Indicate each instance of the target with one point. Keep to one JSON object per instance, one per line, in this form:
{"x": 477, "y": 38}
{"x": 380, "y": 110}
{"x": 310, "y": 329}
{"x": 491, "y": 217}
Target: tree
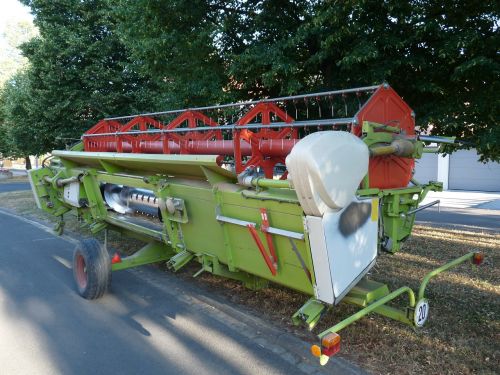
{"x": 174, "y": 42}
{"x": 208, "y": 51}
{"x": 99, "y": 57}
{"x": 77, "y": 72}
{"x": 441, "y": 56}
{"x": 15, "y": 87}
{"x": 18, "y": 140}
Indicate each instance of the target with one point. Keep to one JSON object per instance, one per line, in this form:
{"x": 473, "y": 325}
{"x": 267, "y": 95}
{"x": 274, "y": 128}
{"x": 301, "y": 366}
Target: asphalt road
{"x": 461, "y": 217}
{"x": 150, "y": 323}
{"x": 14, "y": 186}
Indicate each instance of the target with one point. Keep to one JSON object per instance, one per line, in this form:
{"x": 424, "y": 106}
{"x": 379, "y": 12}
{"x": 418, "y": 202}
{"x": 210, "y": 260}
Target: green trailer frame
{"x": 218, "y": 223}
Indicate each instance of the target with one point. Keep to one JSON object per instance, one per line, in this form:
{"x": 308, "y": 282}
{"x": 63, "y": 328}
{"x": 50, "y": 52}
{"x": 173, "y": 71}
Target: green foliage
{"x": 17, "y": 137}
{"x": 174, "y": 43}
{"x": 99, "y": 57}
{"x": 263, "y": 54}
{"x": 441, "y": 56}
{"x": 77, "y": 73}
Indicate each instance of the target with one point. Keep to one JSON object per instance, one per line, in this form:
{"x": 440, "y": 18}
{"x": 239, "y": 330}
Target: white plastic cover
{"x": 343, "y": 247}
{"x": 72, "y": 194}
{"x": 326, "y": 168}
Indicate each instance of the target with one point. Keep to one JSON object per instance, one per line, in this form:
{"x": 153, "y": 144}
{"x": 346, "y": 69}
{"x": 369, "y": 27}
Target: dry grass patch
{"x": 23, "y": 203}
{"x": 14, "y": 179}
{"x": 462, "y": 335}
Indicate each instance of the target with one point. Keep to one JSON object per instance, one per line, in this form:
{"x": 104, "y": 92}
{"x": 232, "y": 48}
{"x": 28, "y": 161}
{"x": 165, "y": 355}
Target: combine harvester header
{"x": 303, "y": 191}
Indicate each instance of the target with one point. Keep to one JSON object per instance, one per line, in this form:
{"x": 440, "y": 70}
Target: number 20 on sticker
{"x": 421, "y": 312}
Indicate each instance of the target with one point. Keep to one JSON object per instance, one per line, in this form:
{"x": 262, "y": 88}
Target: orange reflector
{"x": 116, "y": 259}
{"x": 478, "y": 258}
{"x": 330, "y": 344}
{"x": 316, "y": 351}
{"x": 330, "y": 340}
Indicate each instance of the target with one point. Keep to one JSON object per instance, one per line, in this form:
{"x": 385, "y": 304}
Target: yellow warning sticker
{"x": 374, "y": 209}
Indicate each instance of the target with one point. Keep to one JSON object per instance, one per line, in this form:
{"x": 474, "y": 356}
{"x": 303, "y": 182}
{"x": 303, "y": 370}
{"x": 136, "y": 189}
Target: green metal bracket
{"x": 395, "y": 203}
{"x": 366, "y": 182}
{"x": 77, "y": 147}
{"x": 151, "y": 253}
{"x": 372, "y": 137}
{"x": 368, "y": 192}
{"x": 371, "y": 308}
{"x": 96, "y": 227}
{"x": 419, "y": 150}
{"x": 171, "y": 226}
{"x": 84, "y": 216}
{"x": 374, "y": 296}
{"x": 215, "y": 178}
{"x": 437, "y": 271}
{"x": 46, "y": 195}
{"x": 376, "y": 134}
{"x": 369, "y": 127}
{"x": 94, "y": 197}
{"x": 59, "y": 227}
{"x": 180, "y": 214}
{"x": 227, "y": 242}
{"x": 180, "y": 260}
{"x": 366, "y": 292}
{"x": 211, "y": 264}
{"x": 310, "y": 313}
{"x": 110, "y": 168}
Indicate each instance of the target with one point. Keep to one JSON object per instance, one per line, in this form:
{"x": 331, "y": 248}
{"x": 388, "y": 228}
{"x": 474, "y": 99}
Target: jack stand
{"x": 310, "y": 313}
{"x": 59, "y": 227}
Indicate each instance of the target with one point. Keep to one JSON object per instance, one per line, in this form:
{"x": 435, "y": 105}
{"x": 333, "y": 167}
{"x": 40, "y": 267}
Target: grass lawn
{"x": 462, "y": 335}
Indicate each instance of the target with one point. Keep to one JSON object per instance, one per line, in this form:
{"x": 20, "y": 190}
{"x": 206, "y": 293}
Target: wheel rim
{"x": 81, "y": 272}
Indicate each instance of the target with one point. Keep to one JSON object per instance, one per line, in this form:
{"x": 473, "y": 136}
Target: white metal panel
{"x": 324, "y": 287}
{"x": 353, "y": 252}
{"x": 71, "y": 194}
{"x": 33, "y": 189}
{"x": 343, "y": 247}
{"x": 467, "y": 173}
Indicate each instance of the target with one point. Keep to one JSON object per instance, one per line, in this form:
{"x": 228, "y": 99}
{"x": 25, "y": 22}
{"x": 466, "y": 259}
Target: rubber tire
{"x": 94, "y": 279}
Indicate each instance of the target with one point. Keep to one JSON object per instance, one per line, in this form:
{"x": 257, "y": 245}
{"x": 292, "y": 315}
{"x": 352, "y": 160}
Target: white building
{"x": 459, "y": 171}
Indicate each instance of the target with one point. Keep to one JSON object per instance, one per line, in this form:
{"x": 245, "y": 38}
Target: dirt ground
{"x": 462, "y": 335}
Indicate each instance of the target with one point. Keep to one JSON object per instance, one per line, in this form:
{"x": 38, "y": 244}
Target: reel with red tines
{"x": 264, "y": 136}
{"x": 258, "y": 159}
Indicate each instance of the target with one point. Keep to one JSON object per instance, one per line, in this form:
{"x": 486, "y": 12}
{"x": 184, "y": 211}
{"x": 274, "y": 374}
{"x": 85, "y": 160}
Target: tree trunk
{"x": 27, "y": 163}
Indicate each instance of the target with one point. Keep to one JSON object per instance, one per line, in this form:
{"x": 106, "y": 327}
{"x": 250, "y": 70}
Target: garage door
{"x": 466, "y": 173}
{"x": 426, "y": 168}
